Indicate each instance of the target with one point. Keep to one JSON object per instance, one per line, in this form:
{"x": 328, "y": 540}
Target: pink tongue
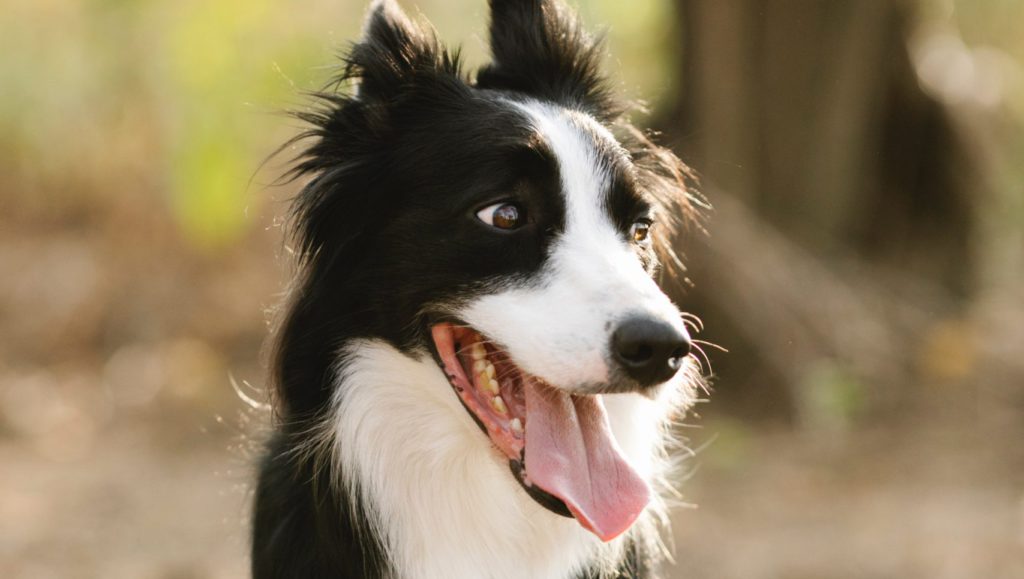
{"x": 571, "y": 453}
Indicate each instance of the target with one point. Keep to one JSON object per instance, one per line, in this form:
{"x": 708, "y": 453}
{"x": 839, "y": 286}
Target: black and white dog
{"x": 476, "y": 370}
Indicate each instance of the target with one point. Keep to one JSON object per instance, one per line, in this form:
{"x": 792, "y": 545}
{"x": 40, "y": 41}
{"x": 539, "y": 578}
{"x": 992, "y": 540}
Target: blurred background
{"x": 863, "y": 265}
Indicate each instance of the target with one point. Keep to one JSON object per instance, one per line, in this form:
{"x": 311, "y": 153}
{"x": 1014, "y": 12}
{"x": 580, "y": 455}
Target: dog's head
{"x": 509, "y": 226}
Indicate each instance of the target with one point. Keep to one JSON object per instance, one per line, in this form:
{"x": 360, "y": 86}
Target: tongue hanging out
{"x": 570, "y": 452}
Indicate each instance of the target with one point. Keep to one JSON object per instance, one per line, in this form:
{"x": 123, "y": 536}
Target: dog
{"x": 475, "y": 370}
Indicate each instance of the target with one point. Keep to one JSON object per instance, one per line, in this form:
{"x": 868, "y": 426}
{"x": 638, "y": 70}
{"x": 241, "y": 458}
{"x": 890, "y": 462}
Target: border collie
{"x": 475, "y": 371}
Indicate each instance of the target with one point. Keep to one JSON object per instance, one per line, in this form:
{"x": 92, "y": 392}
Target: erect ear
{"x": 540, "y": 48}
{"x": 393, "y": 51}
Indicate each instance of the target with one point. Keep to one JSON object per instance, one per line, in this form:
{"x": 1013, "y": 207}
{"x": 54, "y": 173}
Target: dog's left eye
{"x": 641, "y": 231}
{"x": 504, "y": 215}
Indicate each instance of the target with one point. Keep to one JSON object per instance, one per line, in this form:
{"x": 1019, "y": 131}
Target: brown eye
{"x": 502, "y": 215}
{"x": 641, "y": 231}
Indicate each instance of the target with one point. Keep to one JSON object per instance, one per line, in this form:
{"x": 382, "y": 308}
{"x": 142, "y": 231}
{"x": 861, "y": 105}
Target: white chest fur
{"x": 439, "y": 495}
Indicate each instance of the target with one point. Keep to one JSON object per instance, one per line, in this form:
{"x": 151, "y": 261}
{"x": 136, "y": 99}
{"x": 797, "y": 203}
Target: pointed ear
{"x": 540, "y": 48}
{"x": 393, "y": 51}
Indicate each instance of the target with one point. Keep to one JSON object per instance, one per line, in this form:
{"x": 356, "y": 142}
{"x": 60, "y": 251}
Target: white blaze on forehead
{"x": 559, "y": 324}
{"x": 575, "y": 138}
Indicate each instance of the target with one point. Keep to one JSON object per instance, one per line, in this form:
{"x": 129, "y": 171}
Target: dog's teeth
{"x": 499, "y": 405}
{"x": 490, "y": 370}
{"x": 491, "y": 385}
{"x": 478, "y": 351}
{"x": 517, "y": 426}
{"x": 479, "y": 367}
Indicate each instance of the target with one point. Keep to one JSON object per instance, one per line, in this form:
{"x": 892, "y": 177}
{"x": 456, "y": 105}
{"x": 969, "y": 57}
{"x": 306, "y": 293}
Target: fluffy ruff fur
{"x": 378, "y": 467}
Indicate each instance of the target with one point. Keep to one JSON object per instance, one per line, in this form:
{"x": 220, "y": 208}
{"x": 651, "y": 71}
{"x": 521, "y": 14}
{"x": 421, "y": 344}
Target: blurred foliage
{"x": 193, "y": 91}
{"x": 830, "y": 398}
{"x": 978, "y": 51}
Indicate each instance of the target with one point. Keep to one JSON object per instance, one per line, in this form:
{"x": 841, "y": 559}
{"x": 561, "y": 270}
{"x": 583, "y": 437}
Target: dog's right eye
{"x": 503, "y": 215}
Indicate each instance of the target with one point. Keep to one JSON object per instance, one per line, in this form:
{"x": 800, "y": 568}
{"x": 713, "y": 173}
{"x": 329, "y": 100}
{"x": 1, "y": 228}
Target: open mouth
{"x": 559, "y": 445}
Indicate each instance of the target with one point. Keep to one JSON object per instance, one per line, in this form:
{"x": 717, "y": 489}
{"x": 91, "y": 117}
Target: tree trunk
{"x": 851, "y": 182}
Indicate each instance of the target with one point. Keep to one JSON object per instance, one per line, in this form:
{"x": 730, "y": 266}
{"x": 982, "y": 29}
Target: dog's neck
{"x": 441, "y": 500}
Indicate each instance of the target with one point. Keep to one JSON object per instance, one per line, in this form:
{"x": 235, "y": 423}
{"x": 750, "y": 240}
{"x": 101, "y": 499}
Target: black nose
{"x": 649, "y": 350}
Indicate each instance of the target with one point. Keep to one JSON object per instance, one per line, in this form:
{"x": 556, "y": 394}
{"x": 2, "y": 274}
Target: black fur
{"x": 385, "y": 235}
{"x": 556, "y": 61}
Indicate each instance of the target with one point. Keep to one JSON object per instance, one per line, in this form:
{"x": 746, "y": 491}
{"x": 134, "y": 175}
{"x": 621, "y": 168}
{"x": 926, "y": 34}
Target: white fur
{"x": 442, "y": 497}
{"x": 439, "y": 494}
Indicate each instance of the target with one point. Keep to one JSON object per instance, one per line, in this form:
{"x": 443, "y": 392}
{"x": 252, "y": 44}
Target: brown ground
{"x": 141, "y": 503}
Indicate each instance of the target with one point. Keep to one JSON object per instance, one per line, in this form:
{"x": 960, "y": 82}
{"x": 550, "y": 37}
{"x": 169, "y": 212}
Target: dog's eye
{"x": 641, "y": 231}
{"x": 503, "y": 215}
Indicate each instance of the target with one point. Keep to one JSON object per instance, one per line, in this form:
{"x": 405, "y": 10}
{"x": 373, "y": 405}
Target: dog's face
{"x": 587, "y": 305}
{"x": 507, "y": 228}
